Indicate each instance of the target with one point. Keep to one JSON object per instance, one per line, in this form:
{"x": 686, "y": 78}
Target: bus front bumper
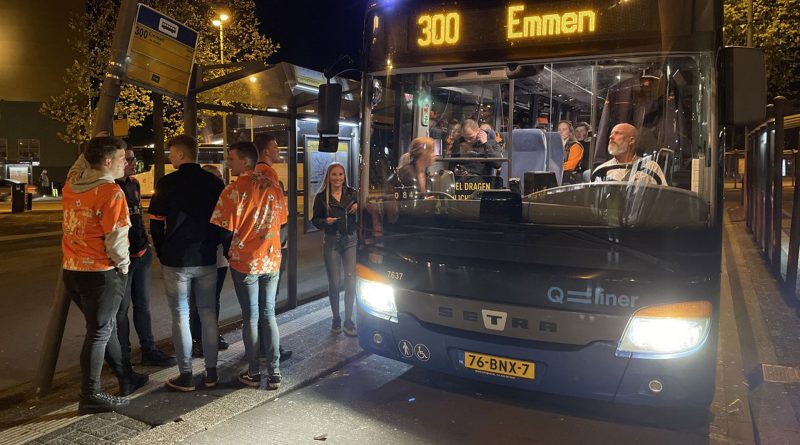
{"x": 593, "y": 371}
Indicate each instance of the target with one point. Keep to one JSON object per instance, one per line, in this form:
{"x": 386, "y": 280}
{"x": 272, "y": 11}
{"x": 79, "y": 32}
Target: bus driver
{"x": 625, "y": 161}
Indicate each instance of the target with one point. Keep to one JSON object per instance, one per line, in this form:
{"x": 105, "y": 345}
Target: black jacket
{"x": 181, "y": 210}
{"x": 346, "y": 224}
{"x": 137, "y": 235}
{"x": 489, "y": 149}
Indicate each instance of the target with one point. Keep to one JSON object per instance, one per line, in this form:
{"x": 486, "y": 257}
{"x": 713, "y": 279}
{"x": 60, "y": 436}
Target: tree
{"x": 775, "y": 30}
{"x": 91, "y": 36}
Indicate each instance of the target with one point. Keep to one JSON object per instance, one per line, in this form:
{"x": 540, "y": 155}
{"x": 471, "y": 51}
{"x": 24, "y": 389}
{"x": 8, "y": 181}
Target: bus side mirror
{"x": 743, "y": 86}
{"x": 329, "y": 104}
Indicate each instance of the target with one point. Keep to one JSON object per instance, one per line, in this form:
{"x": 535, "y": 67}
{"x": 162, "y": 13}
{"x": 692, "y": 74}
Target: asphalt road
{"x": 376, "y": 400}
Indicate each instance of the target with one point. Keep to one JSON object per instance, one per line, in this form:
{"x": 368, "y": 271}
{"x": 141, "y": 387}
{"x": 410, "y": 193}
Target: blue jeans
{"x": 256, "y": 295}
{"x": 138, "y": 290}
{"x": 178, "y": 282}
{"x": 339, "y": 252}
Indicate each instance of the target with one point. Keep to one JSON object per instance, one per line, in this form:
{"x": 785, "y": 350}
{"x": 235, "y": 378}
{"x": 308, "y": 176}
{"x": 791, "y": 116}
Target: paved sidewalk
{"x": 157, "y": 415}
{"x": 769, "y": 333}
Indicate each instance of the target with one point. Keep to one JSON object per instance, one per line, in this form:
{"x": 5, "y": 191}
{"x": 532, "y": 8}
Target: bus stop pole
{"x": 109, "y": 94}
{"x": 52, "y": 338}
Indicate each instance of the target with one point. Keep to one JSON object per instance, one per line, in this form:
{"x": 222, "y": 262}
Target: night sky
{"x": 313, "y": 33}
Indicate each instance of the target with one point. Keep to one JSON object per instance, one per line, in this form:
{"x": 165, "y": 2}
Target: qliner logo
{"x": 494, "y": 320}
{"x": 168, "y": 28}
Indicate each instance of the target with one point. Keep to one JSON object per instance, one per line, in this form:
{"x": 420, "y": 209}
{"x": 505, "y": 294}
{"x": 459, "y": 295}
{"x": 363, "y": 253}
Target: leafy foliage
{"x": 92, "y": 34}
{"x": 775, "y": 30}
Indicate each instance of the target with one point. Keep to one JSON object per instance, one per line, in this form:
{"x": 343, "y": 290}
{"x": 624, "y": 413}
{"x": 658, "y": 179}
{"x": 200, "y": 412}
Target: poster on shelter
{"x": 316, "y": 164}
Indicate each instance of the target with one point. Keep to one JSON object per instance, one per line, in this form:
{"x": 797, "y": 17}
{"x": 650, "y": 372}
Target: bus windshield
{"x": 534, "y": 145}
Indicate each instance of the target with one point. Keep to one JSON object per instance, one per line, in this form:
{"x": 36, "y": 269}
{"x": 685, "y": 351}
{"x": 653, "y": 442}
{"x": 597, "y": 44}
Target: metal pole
{"x": 225, "y": 172}
{"x": 190, "y": 106}
{"x": 109, "y": 93}
{"x": 750, "y": 23}
{"x": 53, "y": 336}
{"x": 158, "y": 135}
{"x": 292, "y": 265}
{"x": 777, "y": 205}
{"x": 766, "y": 227}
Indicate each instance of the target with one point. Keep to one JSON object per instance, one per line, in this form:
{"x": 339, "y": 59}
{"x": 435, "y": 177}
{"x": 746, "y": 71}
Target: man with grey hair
{"x": 626, "y": 165}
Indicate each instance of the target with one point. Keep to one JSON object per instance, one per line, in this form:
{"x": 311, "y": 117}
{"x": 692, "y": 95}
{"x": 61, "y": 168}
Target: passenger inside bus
{"x": 413, "y": 171}
{"x": 475, "y": 143}
{"x": 573, "y": 154}
{"x": 625, "y": 164}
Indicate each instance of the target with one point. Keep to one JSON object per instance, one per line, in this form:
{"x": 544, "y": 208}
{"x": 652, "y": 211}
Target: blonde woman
{"x": 414, "y": 164}
{"x": 335, "y": 213}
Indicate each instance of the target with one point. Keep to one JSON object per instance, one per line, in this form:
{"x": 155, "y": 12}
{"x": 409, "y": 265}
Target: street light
{"x": 219, "y": 22}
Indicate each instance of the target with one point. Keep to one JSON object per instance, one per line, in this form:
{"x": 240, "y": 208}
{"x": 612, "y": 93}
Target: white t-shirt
{"x": 639, "y": 171}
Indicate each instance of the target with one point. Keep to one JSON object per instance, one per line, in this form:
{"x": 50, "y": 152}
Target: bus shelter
{"x": 281, "y": 100}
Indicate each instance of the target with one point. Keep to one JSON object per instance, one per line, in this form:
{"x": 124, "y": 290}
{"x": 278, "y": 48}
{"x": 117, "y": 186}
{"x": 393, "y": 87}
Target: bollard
{"x": 52, "y": 338}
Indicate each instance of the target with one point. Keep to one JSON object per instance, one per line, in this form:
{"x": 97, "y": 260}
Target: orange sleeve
{"x": 114, "y": 212}
{"x": 224, "y": 214}
{"x": 575, "y": 156}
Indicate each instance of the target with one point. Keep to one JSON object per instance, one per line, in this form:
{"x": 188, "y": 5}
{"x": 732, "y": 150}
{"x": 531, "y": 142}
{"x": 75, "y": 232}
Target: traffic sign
{"x": 161, "y": 53}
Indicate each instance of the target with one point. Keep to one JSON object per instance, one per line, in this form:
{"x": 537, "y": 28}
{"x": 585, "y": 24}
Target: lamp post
{"x": 219, "y": 22}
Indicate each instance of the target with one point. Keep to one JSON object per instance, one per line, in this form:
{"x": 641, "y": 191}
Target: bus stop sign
{"x": 161, "y": 53}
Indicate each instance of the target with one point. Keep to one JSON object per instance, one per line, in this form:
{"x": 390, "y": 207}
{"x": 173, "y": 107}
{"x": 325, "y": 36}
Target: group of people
{"x": 200, "y": 228}
{"x": 476, "y": 141}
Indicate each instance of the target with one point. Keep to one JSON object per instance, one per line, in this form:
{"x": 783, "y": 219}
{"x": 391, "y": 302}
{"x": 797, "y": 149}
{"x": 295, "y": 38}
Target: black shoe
{"x": 197, "y": 348}
{"x": 250, "y": 380}
{"x": 100, "y": 403}
{"x": 274, "y": 380}
{"x": 223, "y": 345}
{"x": 131, "y": 383}
{"x": 336, "y": 326}
{"x": 285, "y": 355}
{"x": 210, "y": 380}
{"x": 182, "y": 382}
{"x": 157, "y": 358}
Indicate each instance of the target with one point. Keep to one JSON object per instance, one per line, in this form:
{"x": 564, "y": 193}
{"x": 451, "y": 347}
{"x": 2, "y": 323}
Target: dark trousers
{"x": 137, "y": 292}
{"x": 194, "y": 317}
{"x": 339, "y": 252}
{"x": 98, "y": 295}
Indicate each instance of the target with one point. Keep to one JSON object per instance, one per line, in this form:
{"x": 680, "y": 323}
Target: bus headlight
{"x": 376, "y": 294}
{"x": 667, "y": 330}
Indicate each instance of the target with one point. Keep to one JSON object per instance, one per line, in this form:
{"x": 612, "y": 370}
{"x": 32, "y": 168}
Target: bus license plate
{"x": 501, "y": 366}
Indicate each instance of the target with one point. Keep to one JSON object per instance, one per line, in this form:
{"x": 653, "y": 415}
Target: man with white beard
{"x": 625, "y": 164}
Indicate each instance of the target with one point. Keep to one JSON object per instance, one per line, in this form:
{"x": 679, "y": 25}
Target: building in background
{"x": 35, "y": 55}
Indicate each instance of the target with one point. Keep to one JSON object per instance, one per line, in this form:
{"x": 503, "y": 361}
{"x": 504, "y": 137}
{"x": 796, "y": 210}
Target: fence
{"x": 765, "y": 150}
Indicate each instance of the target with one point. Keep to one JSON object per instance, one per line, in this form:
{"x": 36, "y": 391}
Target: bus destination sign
{"x": 472, "y": 32}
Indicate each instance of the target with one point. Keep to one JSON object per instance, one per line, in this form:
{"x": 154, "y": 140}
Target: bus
{"x": 488, "y": 264}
